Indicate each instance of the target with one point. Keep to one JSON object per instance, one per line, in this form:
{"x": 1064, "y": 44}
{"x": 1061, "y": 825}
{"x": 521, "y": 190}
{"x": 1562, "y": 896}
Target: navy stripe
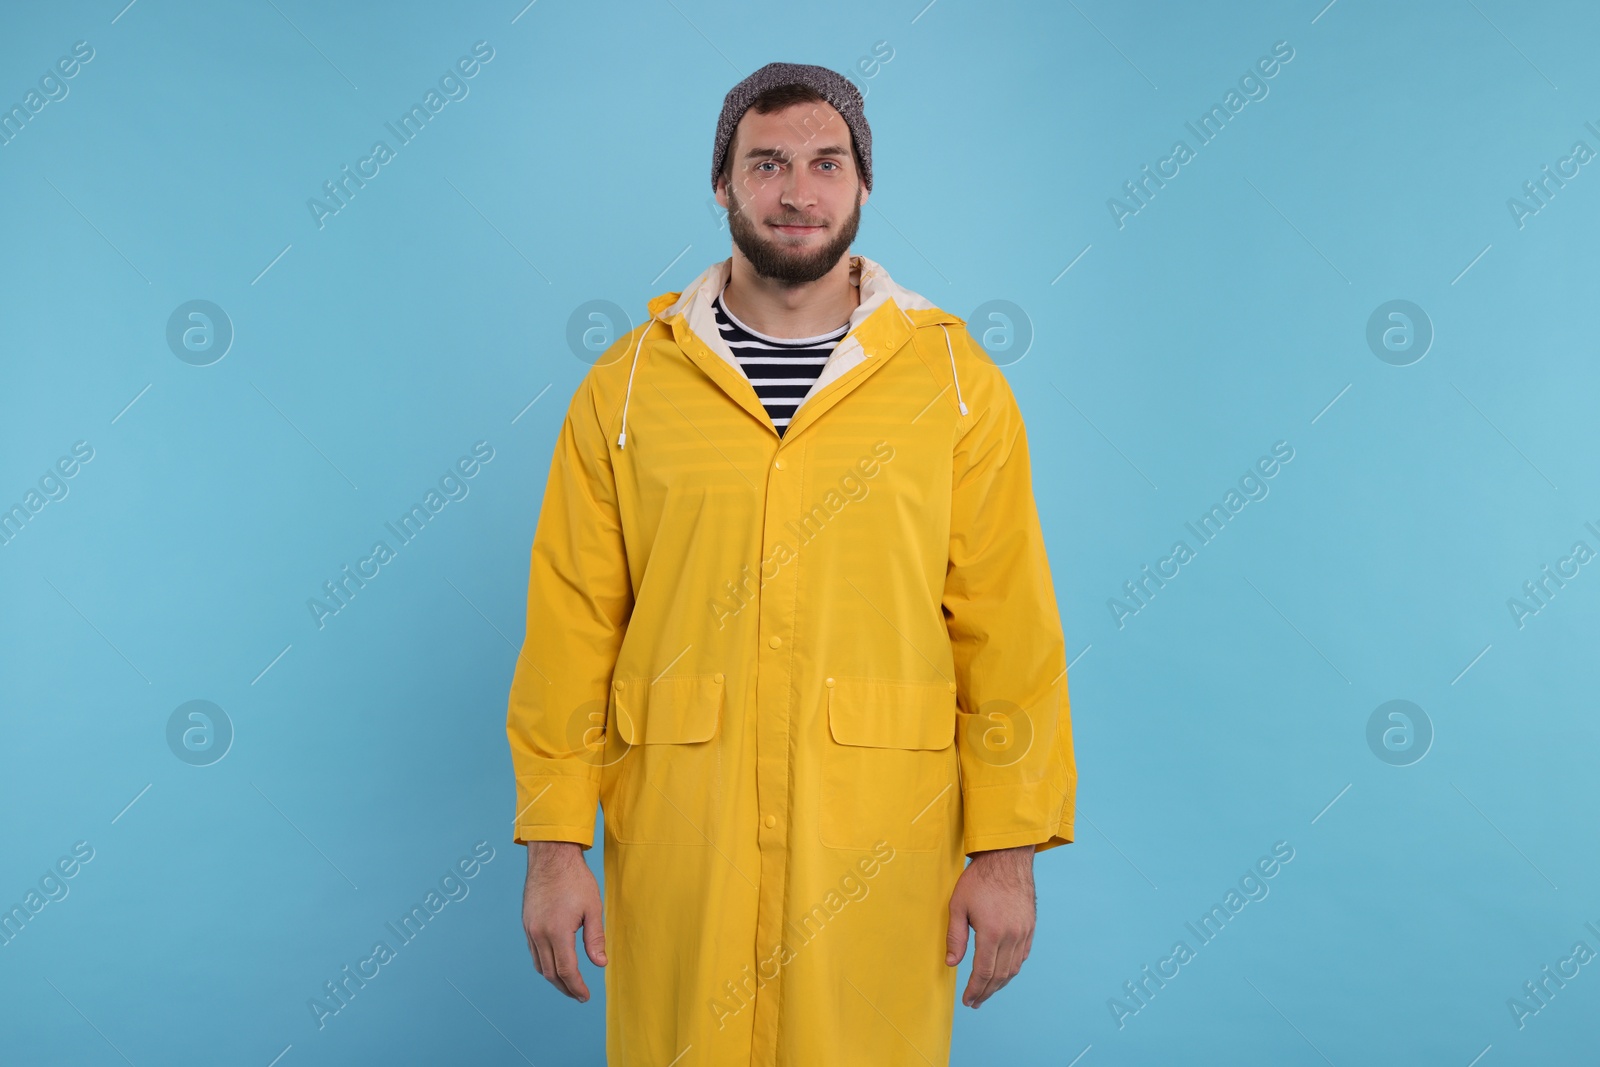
{"x": 782, "y": 372}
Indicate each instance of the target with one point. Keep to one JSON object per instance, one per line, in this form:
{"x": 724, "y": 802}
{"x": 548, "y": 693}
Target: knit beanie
{"x": 835, "y": 88}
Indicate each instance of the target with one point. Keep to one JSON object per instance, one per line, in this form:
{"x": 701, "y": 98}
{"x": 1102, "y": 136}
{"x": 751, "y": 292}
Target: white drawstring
{"x": 623, "y": 436}
{"x": 961, "y": 403}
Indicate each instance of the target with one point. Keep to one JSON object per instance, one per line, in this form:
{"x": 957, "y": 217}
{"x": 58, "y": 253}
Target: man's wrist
{"x": 553, "y": 851}
{"x": 1019, "y": 855}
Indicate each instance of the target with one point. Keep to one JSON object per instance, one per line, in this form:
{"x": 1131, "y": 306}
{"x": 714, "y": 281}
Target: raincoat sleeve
{"x": 1014, "y": 731}
{"x": 579, "y": 601}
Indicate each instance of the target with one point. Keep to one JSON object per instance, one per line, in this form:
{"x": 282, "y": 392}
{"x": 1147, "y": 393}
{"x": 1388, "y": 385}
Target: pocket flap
{"x": 881, "y": 714}
{"x": 676, "y": 710}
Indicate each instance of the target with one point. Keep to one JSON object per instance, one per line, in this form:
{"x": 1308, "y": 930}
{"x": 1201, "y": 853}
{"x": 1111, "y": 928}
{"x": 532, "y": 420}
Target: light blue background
{"x": 1228, "y": 314}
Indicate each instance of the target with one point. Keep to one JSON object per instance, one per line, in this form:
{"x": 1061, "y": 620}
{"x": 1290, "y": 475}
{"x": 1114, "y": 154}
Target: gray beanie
{"x": 835, "y": 88}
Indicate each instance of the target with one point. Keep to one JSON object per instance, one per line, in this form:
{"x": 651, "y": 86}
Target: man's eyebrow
{"x": 780, "y": 154}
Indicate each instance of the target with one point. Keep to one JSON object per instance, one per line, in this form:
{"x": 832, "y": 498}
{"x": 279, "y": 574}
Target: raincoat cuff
{"x": 1009, "y": 824}
{"x": 527, "y": 834}
{"x": 1039, "y": 839}
{"x": 556, "y": 808}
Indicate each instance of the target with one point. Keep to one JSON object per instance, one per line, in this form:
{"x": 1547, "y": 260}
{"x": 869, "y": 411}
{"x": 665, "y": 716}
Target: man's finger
{"x": 985, "y": 949}
{"x": 955, "y": 938}
{"x": 566, "y": 968}
{"x": 544, "y": 958}
{"x": 548, "y": 965}
{"x": 1007, "y": 962}
{"x": 594, "y": 935}
{"x": 533, "y": 950}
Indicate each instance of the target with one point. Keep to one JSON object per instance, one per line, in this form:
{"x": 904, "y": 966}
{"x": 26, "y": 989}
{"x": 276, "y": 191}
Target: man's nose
{"x": 799, "y": 189}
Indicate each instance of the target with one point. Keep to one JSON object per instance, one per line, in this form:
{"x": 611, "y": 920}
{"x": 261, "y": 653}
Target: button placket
{"x": 774, "y": 710}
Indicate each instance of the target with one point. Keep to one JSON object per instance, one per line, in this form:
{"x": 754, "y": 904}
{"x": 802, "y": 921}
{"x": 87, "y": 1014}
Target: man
{"x": 792, "y": 627}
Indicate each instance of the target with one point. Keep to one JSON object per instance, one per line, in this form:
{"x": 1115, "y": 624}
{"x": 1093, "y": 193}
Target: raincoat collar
{"x": 885, "y": 318}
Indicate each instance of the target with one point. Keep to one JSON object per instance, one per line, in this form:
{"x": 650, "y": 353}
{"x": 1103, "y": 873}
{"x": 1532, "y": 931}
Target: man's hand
{"x": 994, "y": 895}
{"x": 559, "y": 896}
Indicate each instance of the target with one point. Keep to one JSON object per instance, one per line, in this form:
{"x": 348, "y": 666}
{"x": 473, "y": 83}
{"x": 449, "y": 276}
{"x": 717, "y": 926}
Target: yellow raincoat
{"x": 802, "y": 676}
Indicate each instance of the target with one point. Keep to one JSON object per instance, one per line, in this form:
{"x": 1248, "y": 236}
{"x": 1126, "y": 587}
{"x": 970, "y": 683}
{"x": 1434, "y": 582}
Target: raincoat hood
{"x": 878, "y": 291}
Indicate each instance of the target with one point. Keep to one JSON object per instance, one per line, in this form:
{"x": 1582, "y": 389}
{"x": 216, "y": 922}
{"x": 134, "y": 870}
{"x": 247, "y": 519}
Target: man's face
{"x": 793, "y": 193}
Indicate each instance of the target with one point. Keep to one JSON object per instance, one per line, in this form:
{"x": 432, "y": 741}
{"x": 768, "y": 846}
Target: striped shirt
{"x": 782, "y": 370}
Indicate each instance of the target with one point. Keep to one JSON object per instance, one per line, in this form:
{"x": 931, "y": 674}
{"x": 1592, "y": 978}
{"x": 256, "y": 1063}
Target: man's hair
{"x": 776, "y": 99}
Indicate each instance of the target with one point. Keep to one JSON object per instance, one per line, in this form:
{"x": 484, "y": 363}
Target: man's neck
{"x": 791, "y": 311}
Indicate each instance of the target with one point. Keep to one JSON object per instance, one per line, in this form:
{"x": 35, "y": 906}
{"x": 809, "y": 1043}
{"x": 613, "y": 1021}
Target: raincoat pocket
{"x": 890, "y": 766}
{"x": 664, "y": 785}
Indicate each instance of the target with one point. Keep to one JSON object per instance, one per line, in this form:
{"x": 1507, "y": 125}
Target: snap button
{"x": 717, "y": 677}
{"x": 828, "y": 683}
{"x": 778, "y": 463}
{"x": 617, "y": 686}
{"x": 952, "y": 687}
{"x": 772, "y": 820}
{"x": 774, "y": 640}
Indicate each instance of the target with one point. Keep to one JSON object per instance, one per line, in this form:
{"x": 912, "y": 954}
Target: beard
{"x": 784, "y": 264}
